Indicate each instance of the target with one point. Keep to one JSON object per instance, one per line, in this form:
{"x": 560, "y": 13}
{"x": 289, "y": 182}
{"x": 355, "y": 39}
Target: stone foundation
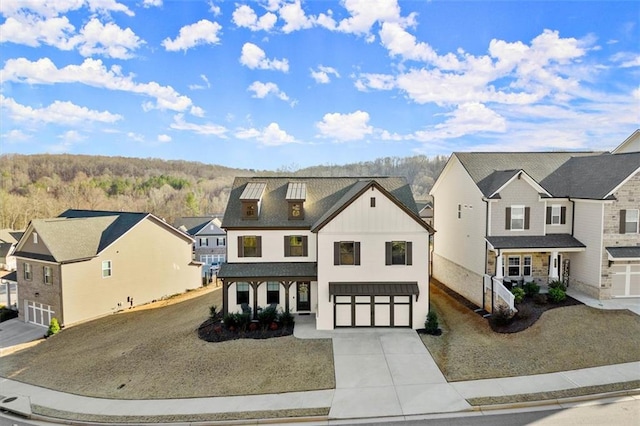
{"x": 459, "y": 279}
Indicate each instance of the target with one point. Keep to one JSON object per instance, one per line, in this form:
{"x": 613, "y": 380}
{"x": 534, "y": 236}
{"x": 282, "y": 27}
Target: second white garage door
{"x": 38, "y": 313}
{"x": 625, "y": 280}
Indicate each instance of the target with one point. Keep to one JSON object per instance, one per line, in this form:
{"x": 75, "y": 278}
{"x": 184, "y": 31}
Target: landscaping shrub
{"x": 557, "y": 294}
{"x": 503, "y": 315}
{"x": 518, "y": 294}
{"x": 531, "y": 289}
{"x": 557, "y": 284}
{"x": 267, "y": 316}
{"x": 540, "y": 299}
{"x": 431, "y": 324}
{"x": 285, "y": 318}
{"x": 7, "y": 314}
{"x": 524, "y": 312}
{"x": 54, "y": 327}
{"x": 213, "y": 312}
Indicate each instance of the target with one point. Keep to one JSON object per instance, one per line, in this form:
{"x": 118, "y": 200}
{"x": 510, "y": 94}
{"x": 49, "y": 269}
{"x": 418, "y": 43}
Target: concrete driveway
{"x": 15, "y": 332}
{"x": 388, "y": 372}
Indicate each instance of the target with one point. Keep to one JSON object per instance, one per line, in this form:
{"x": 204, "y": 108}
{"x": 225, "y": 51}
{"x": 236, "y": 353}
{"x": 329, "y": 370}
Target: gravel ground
{"x": 562, "y": 339}
{"x": 154, "y": 352}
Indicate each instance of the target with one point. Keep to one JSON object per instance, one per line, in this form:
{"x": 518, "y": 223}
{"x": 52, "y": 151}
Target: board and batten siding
{"x": 586, "y": 267}
{"x": 518, "y": 193}
{"x": 372, "y": 227}
{"x": 148, "y": 263}
{"x": 272, "y": 246}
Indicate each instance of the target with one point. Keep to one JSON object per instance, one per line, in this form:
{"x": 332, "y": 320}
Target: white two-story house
{"x": 351, "y": 251}
{"x": 506, "y": 218}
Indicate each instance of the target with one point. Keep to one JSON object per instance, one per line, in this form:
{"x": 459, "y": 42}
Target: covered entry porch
{"x": 288, "y": 286}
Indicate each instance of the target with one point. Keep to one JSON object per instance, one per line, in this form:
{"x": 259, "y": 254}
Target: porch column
{"x": 499, "y": 268}
{"x": 553, "y": 266}
{"x": 225, "y": 297}
{"x": 286, "y": 285}
{"x": 254, "y": 285}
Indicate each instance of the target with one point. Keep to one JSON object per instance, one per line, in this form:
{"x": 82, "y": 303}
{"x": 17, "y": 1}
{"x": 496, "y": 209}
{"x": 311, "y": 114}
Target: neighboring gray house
{"x": 210, "y": 246}
{"x": 8, "y": 240}
{"x": 538, "y": 216}
{"x": 425, "y": 210}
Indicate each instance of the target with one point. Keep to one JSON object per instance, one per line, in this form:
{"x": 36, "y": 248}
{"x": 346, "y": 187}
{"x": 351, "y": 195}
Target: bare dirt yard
{"x": 154, "y": 352}
{"x": 565, "y": 338}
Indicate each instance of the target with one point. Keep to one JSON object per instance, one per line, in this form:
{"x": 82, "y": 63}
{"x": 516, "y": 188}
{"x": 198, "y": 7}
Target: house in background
{"x": 351, "y": 251}
{"x": 86, "y": 264}
{"x": 210, "y": 246}
{"x": 546, "y": 216}
{"x": 425, "y": 210}
{"x": 630, "y": 144}
{"x": 8, "y": 240}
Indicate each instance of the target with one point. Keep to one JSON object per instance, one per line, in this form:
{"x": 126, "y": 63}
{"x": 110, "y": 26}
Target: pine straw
{"x": 156, "y": 353}
{"x": 562, "y": 339}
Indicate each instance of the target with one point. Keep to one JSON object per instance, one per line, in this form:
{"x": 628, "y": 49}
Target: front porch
{"x": 287, "y": 286}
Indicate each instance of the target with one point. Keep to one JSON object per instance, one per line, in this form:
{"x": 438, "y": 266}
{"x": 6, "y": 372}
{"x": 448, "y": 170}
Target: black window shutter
{"x": 356, "y": 254}
{"x": 549, "y": 215}
{"x": 563, "y": 215}
{"x": 623, "y": 220}
{"x": 240, "y": 247}
{"x": 409, "y": 253}
{"x": 527, "y": 214}
{"x": 287, "y": 246}
{"x": 305, "y": 245}
{"x": 507, "y": 219}
{"x": 336, "y": 253}
{"x": 259, "y": 244}
{"x": 387, "y": 253}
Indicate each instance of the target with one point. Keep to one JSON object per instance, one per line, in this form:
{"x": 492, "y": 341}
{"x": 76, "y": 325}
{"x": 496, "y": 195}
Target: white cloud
{"x": 345, "y": 127}
{"x": 107, "y": 40}
{"x": 365, "y": 13}
{"x": 202, "y": 32}
{"x": 152, "y": 3}
{"x": 196, "y": 111}
{"x": 321, "y": 75}
{"x": 202, "y": 129}
{"x": 206, "y": 85}
{"x": 137, "y": 137}
{"x": 164, "y": 138}
{"x": 67, "y": 140}
{"x": 262, "y": 90}
{"x": 375, "y": 81}
{"x": 626, "y": 59}
{"x": 253, "y": 57}
{"x": 245, "y": 17}
{"x": 50, "y": 9}
{"x": 15, "y": 135}
{"x": 294, "y": 17}
{"x": 92, "y": 72}
{"x": 271, "y": 135}
{"x": 470, "y": 118}
{"x": 30, "y": 30}
{"x": 59, "y": 112}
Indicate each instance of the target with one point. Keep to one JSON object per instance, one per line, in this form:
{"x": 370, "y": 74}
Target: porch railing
{"x": 499, "y": 290}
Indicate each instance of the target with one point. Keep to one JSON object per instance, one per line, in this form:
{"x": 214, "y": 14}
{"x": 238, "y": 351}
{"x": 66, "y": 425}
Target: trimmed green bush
{"x": 286, "y": 318}
{"x": 54, "y": 327}
{"x": 213, "y": 311}
{"x": 557, "y": 294}
{"x": 531, "y": 289}
{"x": 7, "y": 314}
{"x": 267, "y": 316}
{"x": 540, "y": 299}
{"x": 518, "y": 294}
{"x": 557, "y": 284}
{"x": 503, "y": 315}
{"x": 431, "y": 324}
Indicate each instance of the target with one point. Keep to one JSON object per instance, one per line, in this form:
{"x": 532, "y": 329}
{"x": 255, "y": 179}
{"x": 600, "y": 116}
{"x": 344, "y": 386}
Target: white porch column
{"x": 553, "y": 266}
{"x": 499, "y": 268}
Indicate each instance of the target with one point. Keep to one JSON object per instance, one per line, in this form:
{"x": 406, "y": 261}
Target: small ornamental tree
{"x": 431, "y": 324}
{"x": 54, "y": 327}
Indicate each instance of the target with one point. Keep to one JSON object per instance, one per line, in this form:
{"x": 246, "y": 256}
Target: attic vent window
{"x": 35, "y": 238}
{"x": 251, "y": 199}
{"x": 296, "y": 196}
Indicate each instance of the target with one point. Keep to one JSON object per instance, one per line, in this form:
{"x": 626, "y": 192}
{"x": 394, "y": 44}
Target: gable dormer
{"x": 296, "y": 196}
{"x": 251, "y": 199}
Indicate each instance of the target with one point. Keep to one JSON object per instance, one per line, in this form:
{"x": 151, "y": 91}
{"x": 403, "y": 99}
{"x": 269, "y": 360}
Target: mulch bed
{"x": 213, "y": 330}
{"x": 528, "y": 313}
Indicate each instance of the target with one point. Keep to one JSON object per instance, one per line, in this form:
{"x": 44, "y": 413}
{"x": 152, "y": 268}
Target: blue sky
{"x": 280, "y": 83}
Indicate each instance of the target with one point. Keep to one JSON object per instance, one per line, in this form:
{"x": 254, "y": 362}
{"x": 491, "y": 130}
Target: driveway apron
{"x": 388, "y": 372}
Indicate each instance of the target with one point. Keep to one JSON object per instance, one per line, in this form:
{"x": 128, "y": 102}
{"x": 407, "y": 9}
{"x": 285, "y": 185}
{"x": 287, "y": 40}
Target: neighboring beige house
{"x": 210, "y": 246}
{"x": 517, "y": 217}
{"x": 8, "y": 240}
{"x": 353, "y": 252}
{"x": 86, "y": 264}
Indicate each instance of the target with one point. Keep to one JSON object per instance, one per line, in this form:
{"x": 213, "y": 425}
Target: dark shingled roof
{"x": 627, "y": 252}
{"x": 490, "y": 170}
{"x": 5, "y": 248}
{"x": 373, "y": 288}
{"x": 592, "y": 177}
{"x": 193, "y": 225}
{"x": 324, "y": 197}
{"x": 269, "y": 271}
{"x": 551, "y": 241}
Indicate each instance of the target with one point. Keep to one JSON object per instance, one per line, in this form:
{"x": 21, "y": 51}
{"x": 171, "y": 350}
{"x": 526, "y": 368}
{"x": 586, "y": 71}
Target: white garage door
{"x": 625, "y": 280}
{"x": 372, "y": 311}
{"x": 38, "y": 313}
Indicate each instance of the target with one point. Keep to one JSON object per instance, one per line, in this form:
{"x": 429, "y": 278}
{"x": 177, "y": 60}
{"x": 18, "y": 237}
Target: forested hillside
{"x": 39, "y": 186}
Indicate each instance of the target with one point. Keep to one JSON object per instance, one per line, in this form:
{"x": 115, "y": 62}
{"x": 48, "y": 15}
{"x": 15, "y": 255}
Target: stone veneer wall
{"x": 459, "y": 279}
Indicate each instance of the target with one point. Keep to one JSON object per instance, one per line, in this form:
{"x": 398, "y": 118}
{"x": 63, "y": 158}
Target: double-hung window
{"x": 295, "y": 245}
{"x": 242, "y": 293}
{"x": 221, "y": 241}
{"x": 47, "y": 273}
{"x": 273, "y": 292}
{"x": 526, "y": 266}
{"x": 398, "y": 252}
{"x": 27, "y": 272}
{"x": 204, "y": 241}
{"x": 250, "y": 246}
{"x": 106, "y": 268}
{"x": 629, "y": 221}
{"x": 513, "y": 266}
{"x": 346, "y": 253}
{"x": 517, "y": 218}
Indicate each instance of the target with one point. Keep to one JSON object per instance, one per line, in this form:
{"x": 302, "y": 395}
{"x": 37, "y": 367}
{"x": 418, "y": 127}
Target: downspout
{"x": 486, "y": 255}
{"x": 573, "y": 216}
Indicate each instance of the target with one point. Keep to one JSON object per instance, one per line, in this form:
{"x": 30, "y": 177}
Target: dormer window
{"x": 251, "y": 199}
{"x": 296, "y": 195}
